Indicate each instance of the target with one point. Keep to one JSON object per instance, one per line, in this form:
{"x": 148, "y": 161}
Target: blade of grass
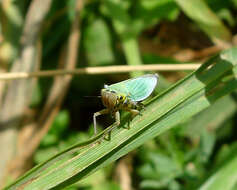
{"x": 206, "y": 19}
{"x": 225, "y": 177}
{"x": 186, "y": 98}
{"x": 211, "y": 118}
{"x": 123, "y": 26}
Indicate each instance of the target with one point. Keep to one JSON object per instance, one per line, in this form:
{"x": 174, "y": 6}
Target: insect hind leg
{"x": 134, "y": 113}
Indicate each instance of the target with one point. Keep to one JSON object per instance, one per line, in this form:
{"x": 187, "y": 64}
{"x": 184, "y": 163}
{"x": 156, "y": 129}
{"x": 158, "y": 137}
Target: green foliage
{"x": 199, "y": 12}
{"x": 52, "y": 143}
{"x": 162, "y": 166}
{"x": 98, "y": 44}
{"x": 36, "y": 96}
{"x": 185, "y": 138}
{"x": 148, "y": 13}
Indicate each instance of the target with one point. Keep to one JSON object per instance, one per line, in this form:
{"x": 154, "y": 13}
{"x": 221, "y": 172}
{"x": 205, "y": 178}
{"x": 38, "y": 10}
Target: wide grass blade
{"x": 213, "y": 80}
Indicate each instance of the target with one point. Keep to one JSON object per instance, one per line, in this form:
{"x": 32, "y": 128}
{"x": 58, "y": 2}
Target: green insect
{"x": 126, "y": 95}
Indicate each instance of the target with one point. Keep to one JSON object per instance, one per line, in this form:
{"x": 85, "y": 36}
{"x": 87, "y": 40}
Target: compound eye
{"x": 121, "y": 97}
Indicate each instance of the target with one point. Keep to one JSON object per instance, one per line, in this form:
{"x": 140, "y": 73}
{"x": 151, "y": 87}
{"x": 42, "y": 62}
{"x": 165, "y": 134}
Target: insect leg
{"x": 134, "y": 113}
{"x": 114, "y": 125}
{"x": 101, "y": 112}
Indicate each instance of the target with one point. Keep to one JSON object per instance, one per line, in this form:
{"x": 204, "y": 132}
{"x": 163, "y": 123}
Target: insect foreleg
{"x": 114, "y": 125}
{"x": 101, "y": 112}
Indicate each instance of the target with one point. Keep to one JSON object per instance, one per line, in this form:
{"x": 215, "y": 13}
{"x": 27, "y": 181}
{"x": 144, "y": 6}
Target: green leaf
{"x": 207, "y": 142}
{"x": 60, "y": 123}
{"x": 11, "y": 29}
{"x": 148, "y": 13}
{"x": 37, "y": 96}
{"x": 183, "y": 100}
{"x": 98, "y": 43}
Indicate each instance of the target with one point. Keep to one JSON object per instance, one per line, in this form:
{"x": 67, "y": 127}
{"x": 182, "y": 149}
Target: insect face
{"x": 109, "y": 99}
{"x": 113, "y": 101}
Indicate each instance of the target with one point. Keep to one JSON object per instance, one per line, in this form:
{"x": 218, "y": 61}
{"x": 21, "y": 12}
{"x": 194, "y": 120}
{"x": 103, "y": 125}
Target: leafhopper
{"x": 126, "y": 95}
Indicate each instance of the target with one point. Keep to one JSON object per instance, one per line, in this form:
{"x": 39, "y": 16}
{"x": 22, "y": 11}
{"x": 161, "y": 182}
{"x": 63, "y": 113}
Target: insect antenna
{"x": 92, "y": 96}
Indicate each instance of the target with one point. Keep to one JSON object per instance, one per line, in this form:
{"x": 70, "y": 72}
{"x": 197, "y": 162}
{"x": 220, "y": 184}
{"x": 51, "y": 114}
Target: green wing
{"x": 137, "y": 89}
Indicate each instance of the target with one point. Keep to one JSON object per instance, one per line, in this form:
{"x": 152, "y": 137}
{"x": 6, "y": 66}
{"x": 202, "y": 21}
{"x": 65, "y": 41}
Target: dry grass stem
{"x": 56, "y": 96}
{"x": 101, "y": 70}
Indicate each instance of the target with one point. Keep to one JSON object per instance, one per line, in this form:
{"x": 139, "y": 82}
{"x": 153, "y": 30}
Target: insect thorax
{"x": 115, "y": 101}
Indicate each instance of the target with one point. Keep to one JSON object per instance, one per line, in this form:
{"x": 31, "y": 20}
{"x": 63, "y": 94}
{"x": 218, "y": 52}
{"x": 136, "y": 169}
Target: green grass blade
{"x": 225, "y": 177}
{"x": 186, "y": 98}
{"x": 211, "y": 118}
{"x": 123, "y": 26}
{"x": 206, "y": 19}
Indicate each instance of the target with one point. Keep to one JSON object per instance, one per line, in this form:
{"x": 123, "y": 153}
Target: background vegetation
{"x": 42, "y": 116}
